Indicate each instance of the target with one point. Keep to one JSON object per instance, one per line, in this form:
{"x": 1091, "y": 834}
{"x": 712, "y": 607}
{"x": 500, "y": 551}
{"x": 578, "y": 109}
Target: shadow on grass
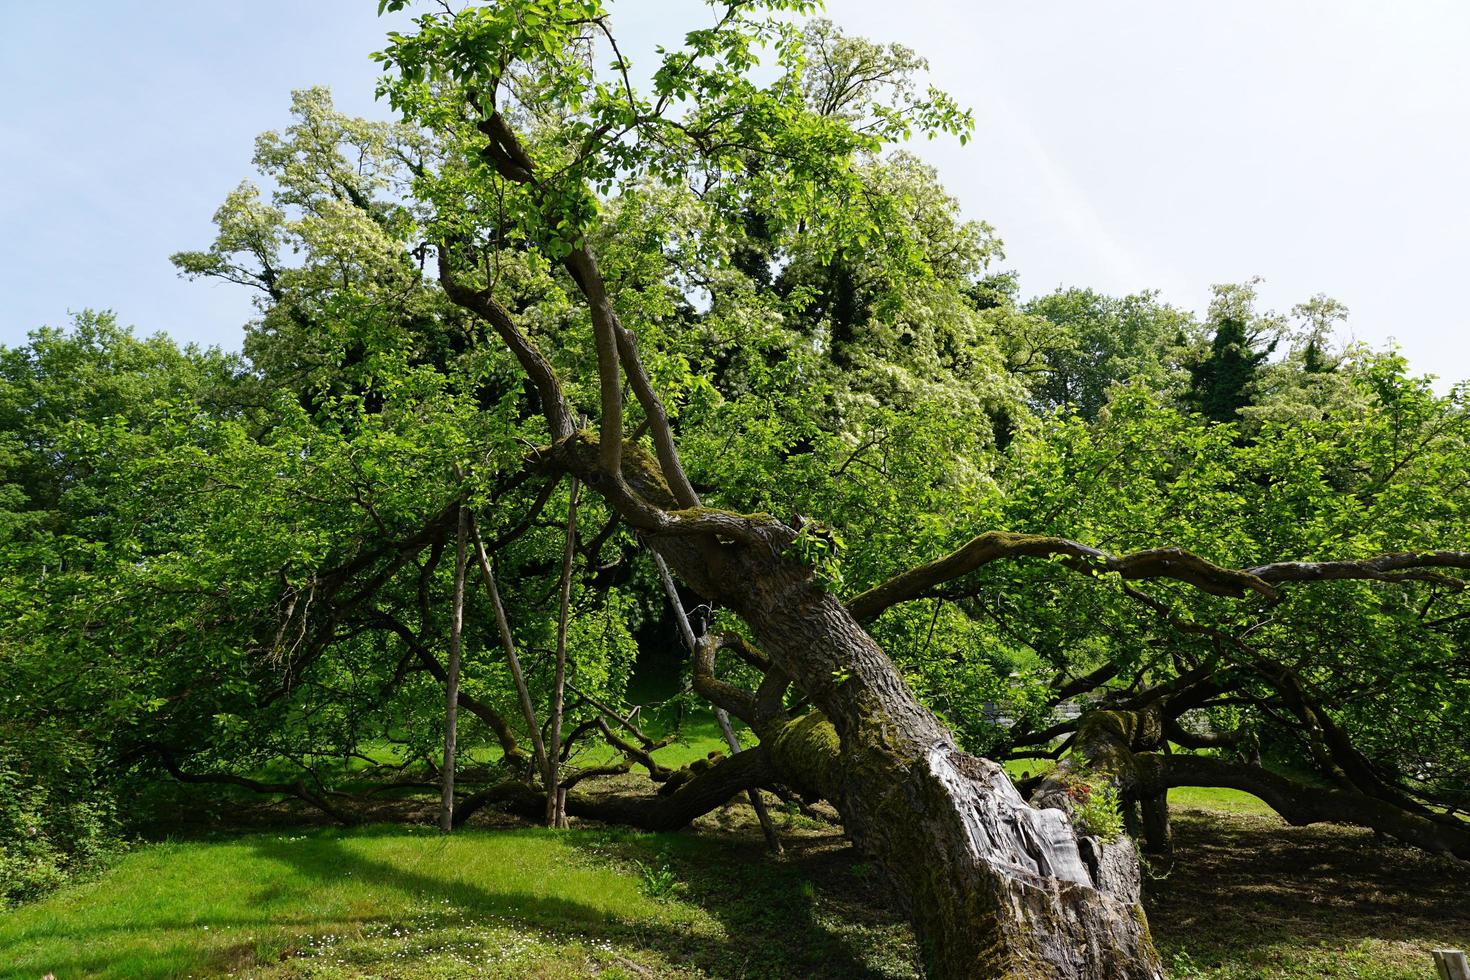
{"x": 1239, "y": 884}
{"x": 318, "y": 860}
{"x": 768, "y": 909}
{"x": 330, "y": 860}
{"x": 819, "y": 912}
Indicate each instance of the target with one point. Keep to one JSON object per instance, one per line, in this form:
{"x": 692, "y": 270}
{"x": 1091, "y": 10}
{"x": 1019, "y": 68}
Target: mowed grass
{"x": 392, "y": 901}
{"x": 1243, "y": 896}
{"x": 1216, "y": 799}
{"x": 383, "y": 896}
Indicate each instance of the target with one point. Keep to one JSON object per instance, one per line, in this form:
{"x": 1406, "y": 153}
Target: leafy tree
{"x": 1098, "y": 342}
{"x": 795, "y": 361}
{"x": 1222, "y": 382}
{"x": 1315, "y": 378}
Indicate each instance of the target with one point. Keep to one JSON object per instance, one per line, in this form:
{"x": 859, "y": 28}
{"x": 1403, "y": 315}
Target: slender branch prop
{"x": 507, "y": 641}
{"x": 1402, "y": 566}
{"x": 451, "y": 681}
{"x": 555, "y": 810}
{"x": 722, "y": 718}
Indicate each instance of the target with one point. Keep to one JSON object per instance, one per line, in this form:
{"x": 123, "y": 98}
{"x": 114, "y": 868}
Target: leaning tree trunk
{"x": 994, "y": 887}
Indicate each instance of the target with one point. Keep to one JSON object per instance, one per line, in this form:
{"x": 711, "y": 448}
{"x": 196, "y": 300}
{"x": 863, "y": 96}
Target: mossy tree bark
{"x": 993, "y": 886}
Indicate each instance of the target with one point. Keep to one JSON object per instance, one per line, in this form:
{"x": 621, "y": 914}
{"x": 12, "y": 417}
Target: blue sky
{"x": 1322, "y": 144}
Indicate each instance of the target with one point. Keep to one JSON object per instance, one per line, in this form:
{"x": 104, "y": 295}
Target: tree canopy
{"x": 921, "y": 517}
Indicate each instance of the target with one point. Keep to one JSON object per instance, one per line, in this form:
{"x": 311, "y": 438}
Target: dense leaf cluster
{"x": 214, "y": 565}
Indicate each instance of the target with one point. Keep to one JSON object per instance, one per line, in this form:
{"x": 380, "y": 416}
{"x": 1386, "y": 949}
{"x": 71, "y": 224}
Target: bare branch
{"x": 1175, "y": 563}
{"x": 532, "y": 361}
{"x": 1403, "y": 566}
{"x": 1155, "y": 563}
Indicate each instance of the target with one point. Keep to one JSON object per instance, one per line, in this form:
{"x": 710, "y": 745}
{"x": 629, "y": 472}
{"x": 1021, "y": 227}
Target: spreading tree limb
{"x": 1155, "y": 563}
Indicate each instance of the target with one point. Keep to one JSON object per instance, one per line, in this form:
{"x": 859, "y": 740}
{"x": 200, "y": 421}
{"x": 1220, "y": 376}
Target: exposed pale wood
{"x": 1451, "y": 964}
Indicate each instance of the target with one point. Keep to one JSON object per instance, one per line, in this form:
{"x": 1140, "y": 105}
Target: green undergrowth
{"x": 692, "y": 737}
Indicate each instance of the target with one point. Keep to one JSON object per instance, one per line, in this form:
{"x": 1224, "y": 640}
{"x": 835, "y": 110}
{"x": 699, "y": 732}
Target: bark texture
{"x": 993, "y": 886}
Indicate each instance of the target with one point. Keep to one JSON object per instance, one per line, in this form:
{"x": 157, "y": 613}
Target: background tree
{"x": 1222, "y": 381}
{"x": 1101, "y": 341}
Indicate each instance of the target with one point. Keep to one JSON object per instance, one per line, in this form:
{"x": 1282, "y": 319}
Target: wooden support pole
{"x": 556, "y": 812}
{"x": 451, "y": 682}
{"x": 528, "y": 710}
{"x": 1451, "y": 964}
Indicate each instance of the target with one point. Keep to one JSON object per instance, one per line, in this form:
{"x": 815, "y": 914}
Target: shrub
{"x": 1097, "y": 812}
{"x": 54, "y": 821}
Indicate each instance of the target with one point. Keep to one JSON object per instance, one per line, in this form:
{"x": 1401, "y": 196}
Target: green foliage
{"x": 820, "y": 548}
{"x": 658, "y": 879}
{"x": 1096, "y": 810}
{"x": 1081, "y": 344}
{"x": 56, "y": 822}
{"x": 1222, "y": 383}
{"x": 235, "y": 565}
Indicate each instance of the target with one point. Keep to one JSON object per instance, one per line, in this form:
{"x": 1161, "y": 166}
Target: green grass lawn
{"x": 1216, "y": 799}
{"x": 338, "y": 900}
{"x": 1243, "y": 896}
{"x": 392, "y": 901}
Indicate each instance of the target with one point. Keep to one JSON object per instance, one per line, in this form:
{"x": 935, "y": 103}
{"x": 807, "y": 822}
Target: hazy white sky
{"x": 1125, "y": 145}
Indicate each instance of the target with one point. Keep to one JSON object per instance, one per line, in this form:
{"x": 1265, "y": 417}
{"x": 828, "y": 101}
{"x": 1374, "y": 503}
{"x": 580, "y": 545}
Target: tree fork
{"x": 992, "y": 886}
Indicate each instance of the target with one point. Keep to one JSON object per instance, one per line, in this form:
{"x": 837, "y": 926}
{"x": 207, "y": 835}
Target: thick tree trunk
{"x": 994, "y": 887}
{"x": 1104, "y": 747}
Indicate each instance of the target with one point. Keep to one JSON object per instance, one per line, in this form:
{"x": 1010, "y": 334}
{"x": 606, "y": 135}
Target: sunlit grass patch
{"x": 498, "y": 901}
{"x": 391, "y": 901}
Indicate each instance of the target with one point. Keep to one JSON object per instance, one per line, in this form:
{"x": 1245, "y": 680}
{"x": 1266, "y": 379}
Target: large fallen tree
{"x": 994, "y": 886}
{"x": 463, "y": 308}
